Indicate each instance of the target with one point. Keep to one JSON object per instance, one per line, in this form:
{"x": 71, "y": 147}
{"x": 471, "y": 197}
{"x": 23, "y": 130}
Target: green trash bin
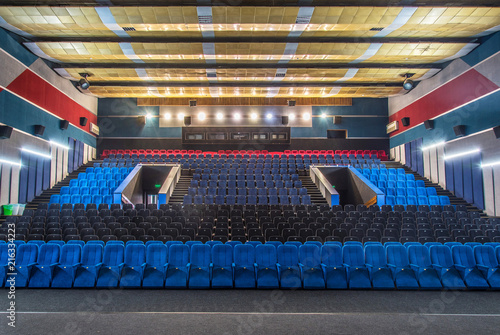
{"x": 7, "y": 209}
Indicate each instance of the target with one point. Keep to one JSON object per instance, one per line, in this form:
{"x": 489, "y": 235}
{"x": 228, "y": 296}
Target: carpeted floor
{"x": 252, "y": 312}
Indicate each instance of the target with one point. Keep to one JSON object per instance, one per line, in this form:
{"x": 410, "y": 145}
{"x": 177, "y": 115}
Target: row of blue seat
{"x": 81, "y": 199}
{"x": 308, "y": 266}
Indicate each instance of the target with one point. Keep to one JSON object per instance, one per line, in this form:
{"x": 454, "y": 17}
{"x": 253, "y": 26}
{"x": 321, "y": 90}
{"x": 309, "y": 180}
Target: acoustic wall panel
{"x": 23, "y": 179}
{"x": 467, "y": 179}
{"x": 80, "y": 154}
{"x": 419, "y": 156}
{"x": 433, "y": 165}
{"x": 458, "y": 183}
{"x": 402, "y": 154}
{"x": 441, "y": 167}
{"x": 449, "y": 176}
{"x": 47, "y": 164}
{"x": 477, "y": 181}
{"x": 14, "y": 184}
{"x": 60, "y": 163}
{"x": 65, "y": 159}
{"x": 427, "y": 163}
{"x": 496, "y": 183}
{"x": 407, "y": 149}
{"x": 489, "y": 191}
{"x": 31, "y": 177}
{"x": 53, "y": 165}
{"x": 39, "y": 174}
{"x": 4, "y": 183}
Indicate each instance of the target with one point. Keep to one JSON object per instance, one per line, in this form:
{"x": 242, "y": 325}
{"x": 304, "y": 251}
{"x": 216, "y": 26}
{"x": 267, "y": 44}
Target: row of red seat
{"x": 380, "y": 153}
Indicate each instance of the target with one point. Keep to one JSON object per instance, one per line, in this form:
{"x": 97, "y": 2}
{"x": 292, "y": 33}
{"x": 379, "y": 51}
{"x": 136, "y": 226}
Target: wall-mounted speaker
{"x": 5, "y": 132}
{"x": 64, "y": 124}
{"x": 459, "y": 130}
{"x": 83, "y": 121}
{"x": 291, "y": 103}
{"x": 284, "y": 120}
{"x": 405, "y": 121}
{"x": 187, "y": 120}
{"x": 496, "y": 130}
{"x": 336, "y": 133}
{"x": 192, "y": 103}
{"x": 337, "y": 119}
{"x": 141, "y": 120}
{"x": 39, "y": 129}
{"x": 429, "y": 124}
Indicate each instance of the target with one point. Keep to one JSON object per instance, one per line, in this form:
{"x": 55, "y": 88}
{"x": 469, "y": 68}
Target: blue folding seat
{"x": 403, "y": 274}
{"x": 420, "y": 262}
{"x": 400, "y": 200}
{"x": 112, "y": 264}
{"x": 63, "y": 274}
{"x": 333, "y": 268}
{"x": 133, "y": 267}
{"x": 442, "y": 261}
{"x": 288, "y": 267}
{"x": 310, "y": 267}
{"x": 155, "y": 268}
{"x": 262, "y": 200}
{"x": 411, "y": 192}
{"x": 187, "y": 199}
{"x": 48, "y": 258}
{"x": 390, "y": 200}
{"x": 199, "y": 270}
{"x": 434, "y": 200}
{"x": 244, "y": 266}
{"x": 295, "y": 200}
{"x": 251, "y": 200}
{"x": 422, "y": 201}
{"x": 222, "y": 265}
{"x": 444, "y": 200}
{"x": 26, "y": 256}
{"x": 487, "y": 263}
{"x": 357, "y": 273}
{"x": 178, "y": 266}
{"x": 376, "y": 262}
{"x": 465, "y": 263}
{"x": 4, "y": 261}
{"x": 86, "y": 272}
{"x": 421, "y": 191}
{"x": 266, "y": 266}
{"x": 54, "y": 199}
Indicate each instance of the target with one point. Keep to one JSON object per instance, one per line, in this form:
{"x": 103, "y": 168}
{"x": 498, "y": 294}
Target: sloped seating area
{"x": 293, "y": 265}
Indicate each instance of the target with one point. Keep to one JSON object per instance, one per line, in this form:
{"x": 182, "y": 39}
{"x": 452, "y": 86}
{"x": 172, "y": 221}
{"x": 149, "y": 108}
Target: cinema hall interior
{"x": 249, "y": 167}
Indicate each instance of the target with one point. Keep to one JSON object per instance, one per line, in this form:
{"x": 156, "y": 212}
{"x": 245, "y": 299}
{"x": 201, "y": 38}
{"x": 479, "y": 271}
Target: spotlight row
{"x": 236, "y": 116}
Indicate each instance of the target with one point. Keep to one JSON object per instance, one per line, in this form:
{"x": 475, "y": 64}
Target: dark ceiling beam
{"x": 305, "y": 65}
{"x": 144, "y": 83}
{"x": 270, "y": 40}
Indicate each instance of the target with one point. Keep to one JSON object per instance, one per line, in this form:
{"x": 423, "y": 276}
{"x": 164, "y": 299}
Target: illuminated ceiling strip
{"x": 488, "y": 31}
{"x": 280, "y": 74}
{"x": 65, "y": 74}
{"x": 209, "y": 52}
{"x": 465, "y": 153}
{"x": 462, "y": 52}
{"x": 289, "y": 52}
{"x": 371, "y": 51}
{"x": 272, "y": 92}
{"x": 400, "y": 20}
{"x": 490, "y": 164}
{"x": 211, "y": 75}
{"x": 109, "y": 21}
{"x": 301, "y": 22}
{"x": 5, "y": 161}
{"x": 154, "y": 91}
{"x": 214, "y": 92}
{"x": 36, "y": 153}
{"x": 428, "y": 74}
{"x": 59, "y": 145}
{"x": 205, "y": 19}
{"x": 37, "y": 51}
{"x": 334, "y": 91}
{"x": 129, "y": 52}
{"x": 15, "y": 30}
{"x": 349, "y": 75}
{"x": 435, "y": 145}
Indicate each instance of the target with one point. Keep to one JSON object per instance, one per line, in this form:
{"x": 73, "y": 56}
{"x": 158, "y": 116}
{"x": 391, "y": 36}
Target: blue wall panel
{"x": 458, "y": 178}
{"x": 408, "y": 154}
{"x": 31, "y": 177}
{"x": 71, "y": 151}
{"x": 467, "y": 179}
{"x": 39, "y": 175}
{"x": 448, "y": 166}
{"x": 420, "y": 156}
{"x": 23, "y": 178}
{"x": 46, "y": 173}
{"x": 477, "y": 181}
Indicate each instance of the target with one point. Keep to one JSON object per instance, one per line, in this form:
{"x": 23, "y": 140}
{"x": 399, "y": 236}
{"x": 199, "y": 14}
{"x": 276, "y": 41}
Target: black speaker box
{"x": 334, "y": 133}
{"x": 405, "y": 121}
{"x": 187, "y": 120}
{"x": 459, "y": 130}
{"x": 83, "y": 121}
{"x": 192, "y": 103}
{"x": 39, "y": 129}
{"x": 291, "y": 103}
{"x": 429, "y": 124}
{"x": 64, "y": 124}
{"x": 496, "y": 130}
{"x": 337, "y": 119}
{"x": 5, "y": 132}
{"x": 284, "y": 120}
{"x": 141, "y": 120}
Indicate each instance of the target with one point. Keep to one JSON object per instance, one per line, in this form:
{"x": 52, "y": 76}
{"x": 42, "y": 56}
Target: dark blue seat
{"x": 244, "y": 266}
{"x": 376, "y": 262}
{"x": 199, "y": 270}
{"x": 288, "y": 267}
{"x": 310, "y": 266}
{"x": 266, "y": 268}
{"x": 155, "y": 268}
{"x": 397, "y": 260}
{"x": 112, "y": 264}
{"x": 86, "y": 272}
{"x": 178, "y": 266}
{"x": 48, "y": 258}
{"x": 442, "y": 261}
{"x": 133, "y": 269}
{"x": 420, "y": 262}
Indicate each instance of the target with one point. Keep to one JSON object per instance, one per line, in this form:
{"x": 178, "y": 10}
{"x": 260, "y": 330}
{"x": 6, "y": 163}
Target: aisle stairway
{"x": 181, "y": 189}
{"x": 440, "y": 191}
{"x": 312, "y": 190}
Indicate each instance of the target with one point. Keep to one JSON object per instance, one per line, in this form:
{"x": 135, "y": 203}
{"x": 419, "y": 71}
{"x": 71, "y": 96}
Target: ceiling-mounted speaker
{"x": 141, "y": 120}
{"x": 83, "y": 121}
{"x": 405, "y": 121}
{"x": 187, "y": 120}
{"x": 429, "y": 124}
{"x": 192, "y": 103}
{"x": 284, "y": 120}
{"x": 459, "y": 130}
{"x": 39, "y": 129}
{"x": 5, "y": 132}
{"x": 496, "y": 130}
{"x": 337, "y": 119}
{"x": 291, "y": 103}
{"x": 64, "y": 124}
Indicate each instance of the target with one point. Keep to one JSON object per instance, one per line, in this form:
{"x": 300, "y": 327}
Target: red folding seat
{"x": 359, "y": 152}
{"x": 264, "y": 152}
{"x": 322, "y": 152}
{"x": 149, "y": 152}
{"x": 309, "y": 152}
{"x": 142, "y": 152}
{"x": 287, "y": 152}
{"x": 345, "y": 152}
{"x": 315, "y": 152}
{"x": 295, "y": 152}
{"x": 220, "y": 152}
{"x": 373, "y": 152}
{"x": 301, "y": 152}
{"x": 366, "y": 152}
{"x": 256, "y": 152}
{"x": 198, "y": 151}
{"x": 352, "y": 152}
{"x": 330, "y": 152}
{"x": 163, "y": 152}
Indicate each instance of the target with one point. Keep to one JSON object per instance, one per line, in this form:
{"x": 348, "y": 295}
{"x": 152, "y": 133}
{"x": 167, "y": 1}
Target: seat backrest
{"x": 178, "y": 255}
{"x": 397, "y": 255}
{"x": 156, "y": 255}
{"x": 244, "y": 255}
{"x": 4, "y": 254}
{"x": 26, "y": 254}
{"x": 288, "y": 255}
{"x": 419, "y": 255}
{"x": 266, "y": 255}
{"x": 331, "y": 255}
{"x": 310, "y": 255}
{"x": 375, "y": 255}
{"x": 49, "y": 254}
{"x": 113, "y": 254}
{"x": 200, "y": 255}
{"x": 222, "y": 255}
{"x": 135, "y": 254}
{"x": 70, "y": 254}
{"x": 441, "y": 255}
{"x": 92, "y": 254}
{"x": 353, "y": 255}
{"x": 485, "y": 255}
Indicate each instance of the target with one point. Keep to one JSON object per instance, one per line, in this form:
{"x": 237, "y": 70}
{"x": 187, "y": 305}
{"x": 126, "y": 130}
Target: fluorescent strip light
{"x": 461, "y": 154}
{"x": 59, "y": 145}
{"x": 435, "y": 145}
{"x": 9, "y": 162}
{"x": 490, "y": 164}
{"x": 36, "y": 153}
